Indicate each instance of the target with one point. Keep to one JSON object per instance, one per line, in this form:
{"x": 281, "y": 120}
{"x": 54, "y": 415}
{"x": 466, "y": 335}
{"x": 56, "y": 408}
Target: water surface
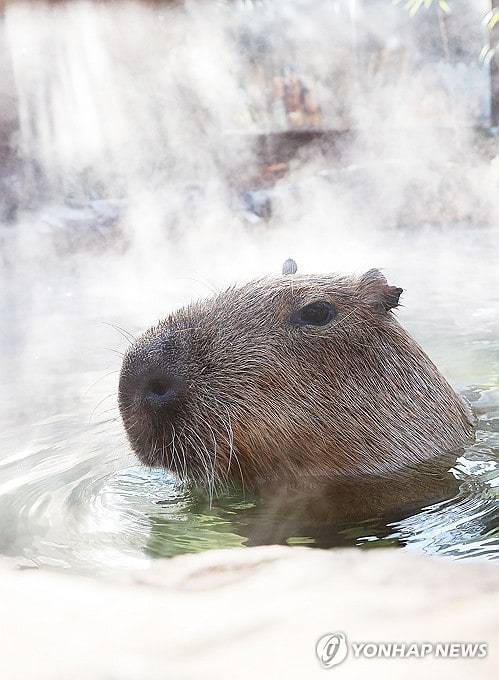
{"x": 72, "y": 495}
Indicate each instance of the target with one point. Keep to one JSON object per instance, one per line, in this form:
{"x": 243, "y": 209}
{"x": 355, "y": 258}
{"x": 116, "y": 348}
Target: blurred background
{"x": 153, "y": 152}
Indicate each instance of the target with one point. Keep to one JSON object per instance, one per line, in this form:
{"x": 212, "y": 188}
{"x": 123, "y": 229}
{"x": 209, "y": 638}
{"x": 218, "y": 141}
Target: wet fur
{"x": 264, "y": 400}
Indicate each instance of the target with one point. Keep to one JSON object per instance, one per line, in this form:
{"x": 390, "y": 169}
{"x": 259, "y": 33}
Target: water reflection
{"x": 62, "y": 509}
{"x": 72, "y": 495}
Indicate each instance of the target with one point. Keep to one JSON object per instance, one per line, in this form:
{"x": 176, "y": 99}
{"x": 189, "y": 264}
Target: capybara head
{"x": 287, "y": 378}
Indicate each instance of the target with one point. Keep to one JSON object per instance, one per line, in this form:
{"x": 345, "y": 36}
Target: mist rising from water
{"x": 146, "y": 118}
{"x": 134, "y": 177}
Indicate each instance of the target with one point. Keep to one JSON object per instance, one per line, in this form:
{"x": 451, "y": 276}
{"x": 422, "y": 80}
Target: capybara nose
{"x": 160, "y": 391}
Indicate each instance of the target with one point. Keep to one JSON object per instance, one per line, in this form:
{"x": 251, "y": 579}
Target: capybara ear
{"x": 376, "y": 291}
{"x": 289, "y": 267}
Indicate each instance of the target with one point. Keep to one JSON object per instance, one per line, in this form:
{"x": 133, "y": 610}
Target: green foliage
{"x": 413, "y": 6}
{"x": 492, "y": 18}
{"x": 491, "y": 21}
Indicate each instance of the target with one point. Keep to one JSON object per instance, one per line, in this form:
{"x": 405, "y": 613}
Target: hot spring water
{"x": 129, "y": 134}
{"x": 72, "y": 494}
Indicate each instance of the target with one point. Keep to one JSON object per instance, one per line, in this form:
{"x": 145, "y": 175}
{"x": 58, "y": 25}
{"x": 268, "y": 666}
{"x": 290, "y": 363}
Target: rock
{"x": 247, "y": 613}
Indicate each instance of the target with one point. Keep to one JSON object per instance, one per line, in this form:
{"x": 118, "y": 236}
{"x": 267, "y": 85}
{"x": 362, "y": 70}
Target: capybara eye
{"x": 315, "y": 314}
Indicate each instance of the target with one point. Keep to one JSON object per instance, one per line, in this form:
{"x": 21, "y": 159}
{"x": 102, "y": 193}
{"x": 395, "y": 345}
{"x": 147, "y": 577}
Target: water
{"x": 124, "y": 193}
{"x": 72, "y": 495}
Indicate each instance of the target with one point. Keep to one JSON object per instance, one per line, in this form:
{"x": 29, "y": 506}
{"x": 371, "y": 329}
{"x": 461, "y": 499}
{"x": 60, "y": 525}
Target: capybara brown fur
{"x": 288, "y": 378}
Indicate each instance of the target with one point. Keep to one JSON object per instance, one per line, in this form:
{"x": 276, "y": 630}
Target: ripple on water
{"x": 466, "y": 525}
{"x": 69, "y": 498}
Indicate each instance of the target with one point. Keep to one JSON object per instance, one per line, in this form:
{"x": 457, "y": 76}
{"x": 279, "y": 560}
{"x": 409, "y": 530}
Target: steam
{"x": 138, "y": 128}
{"x": 141, "y": 146}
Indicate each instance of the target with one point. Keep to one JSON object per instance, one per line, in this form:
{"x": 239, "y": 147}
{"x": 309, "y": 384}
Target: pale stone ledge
{"x": 246, "y": 613}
